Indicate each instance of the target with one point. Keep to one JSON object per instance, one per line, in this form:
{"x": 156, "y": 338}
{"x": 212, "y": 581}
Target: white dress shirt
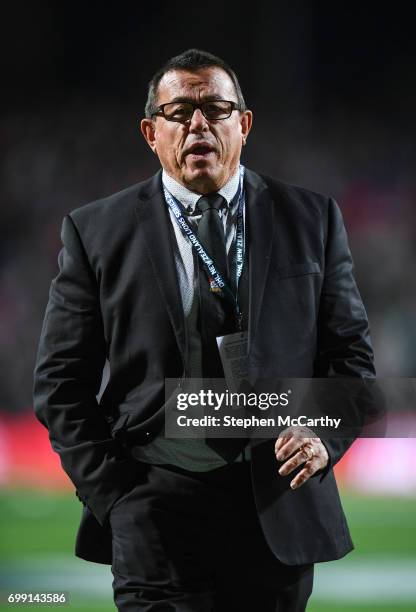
{"x": 192, "y": 453}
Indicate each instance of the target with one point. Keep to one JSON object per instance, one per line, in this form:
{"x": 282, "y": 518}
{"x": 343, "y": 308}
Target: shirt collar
{"x": 189, "y": 198}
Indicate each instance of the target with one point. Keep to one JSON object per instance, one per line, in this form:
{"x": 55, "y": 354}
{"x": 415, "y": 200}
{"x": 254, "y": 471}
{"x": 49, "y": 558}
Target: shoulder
{"x": 290, "y": 196}
{"x": 117, "y": 207}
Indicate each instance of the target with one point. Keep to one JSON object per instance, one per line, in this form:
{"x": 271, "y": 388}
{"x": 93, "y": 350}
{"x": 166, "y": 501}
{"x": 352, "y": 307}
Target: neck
{"x": 204, "y": 185}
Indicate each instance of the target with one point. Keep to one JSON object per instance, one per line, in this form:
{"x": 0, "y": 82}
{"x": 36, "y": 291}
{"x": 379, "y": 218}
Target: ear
{"x": 246, "y": 121}
{"x": 148, "y": 129}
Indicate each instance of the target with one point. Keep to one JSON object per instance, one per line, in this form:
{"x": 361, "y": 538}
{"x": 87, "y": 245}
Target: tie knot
{"x": 210, "y": 201}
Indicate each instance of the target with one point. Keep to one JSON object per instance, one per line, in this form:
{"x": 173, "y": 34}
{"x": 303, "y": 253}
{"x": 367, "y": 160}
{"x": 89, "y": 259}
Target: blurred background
{"x": 332, "y": 87}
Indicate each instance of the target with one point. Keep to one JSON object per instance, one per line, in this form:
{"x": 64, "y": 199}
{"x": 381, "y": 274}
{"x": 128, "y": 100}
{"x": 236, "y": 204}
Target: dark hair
{"x": 192, "y": 59}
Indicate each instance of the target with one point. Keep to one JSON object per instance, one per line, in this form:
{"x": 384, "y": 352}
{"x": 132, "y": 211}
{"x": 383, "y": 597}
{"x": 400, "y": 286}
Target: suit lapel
{"x": 155, "y": 225}
{"x": 260, "y": 230}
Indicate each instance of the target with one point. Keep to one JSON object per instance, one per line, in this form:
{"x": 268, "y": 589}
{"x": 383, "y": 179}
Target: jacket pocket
{"x": 300, "y": 269}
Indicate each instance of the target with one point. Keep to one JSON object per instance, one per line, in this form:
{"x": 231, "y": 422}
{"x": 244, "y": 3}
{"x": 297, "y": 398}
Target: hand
{"x": 299, "y": 445}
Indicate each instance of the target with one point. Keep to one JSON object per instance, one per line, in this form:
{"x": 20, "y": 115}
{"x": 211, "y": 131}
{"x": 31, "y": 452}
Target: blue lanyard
{"x": 218, "y": 284}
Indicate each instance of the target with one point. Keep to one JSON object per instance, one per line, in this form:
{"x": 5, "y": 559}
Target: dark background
{"x": 333, "y": 92}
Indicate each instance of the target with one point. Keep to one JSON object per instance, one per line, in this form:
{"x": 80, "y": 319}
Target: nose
{"x": 198, "y": 122}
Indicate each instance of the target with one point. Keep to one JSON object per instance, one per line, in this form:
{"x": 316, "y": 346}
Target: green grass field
{"x": 37, "y": 535}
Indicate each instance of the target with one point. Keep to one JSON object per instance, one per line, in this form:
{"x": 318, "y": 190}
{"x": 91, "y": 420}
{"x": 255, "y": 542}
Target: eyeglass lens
{"x": 183, "y": 111}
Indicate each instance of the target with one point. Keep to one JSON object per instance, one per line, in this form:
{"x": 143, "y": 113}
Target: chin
{"x": 203, "y": 177}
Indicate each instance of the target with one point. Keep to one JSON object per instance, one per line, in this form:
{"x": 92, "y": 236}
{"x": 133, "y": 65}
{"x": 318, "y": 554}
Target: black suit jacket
{"x": 117, "y": 296}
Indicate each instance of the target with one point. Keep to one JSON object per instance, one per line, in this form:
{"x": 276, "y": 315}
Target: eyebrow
{"x": 192, "y": 101}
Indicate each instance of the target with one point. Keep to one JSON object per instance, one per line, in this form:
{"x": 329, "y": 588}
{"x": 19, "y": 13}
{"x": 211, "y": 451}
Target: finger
{"x": 284, "y": 436}
{"x": 289, "y": 448}
{"x": 309, "y": 470}
{"x": 291, "y": 464}
{"x": 318, "y": 451}
{"x": 281, "y": 442}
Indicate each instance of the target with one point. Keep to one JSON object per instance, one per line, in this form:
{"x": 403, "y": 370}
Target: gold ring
{"x": 308, "y": 450}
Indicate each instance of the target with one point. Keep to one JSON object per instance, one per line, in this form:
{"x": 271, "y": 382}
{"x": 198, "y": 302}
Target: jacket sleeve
{"x": 344, "y": 346}
{"x": 68, "y": 372}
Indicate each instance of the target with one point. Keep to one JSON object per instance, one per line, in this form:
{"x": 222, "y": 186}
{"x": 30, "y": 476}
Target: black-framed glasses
{"x": 212, "y": 110}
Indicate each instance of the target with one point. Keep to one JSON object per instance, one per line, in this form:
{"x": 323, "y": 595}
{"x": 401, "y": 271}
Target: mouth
{"x": 200, "y": 150}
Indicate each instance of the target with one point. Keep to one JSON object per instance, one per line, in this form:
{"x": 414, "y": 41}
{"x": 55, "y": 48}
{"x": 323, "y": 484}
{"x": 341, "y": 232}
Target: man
{"x": 195, "y": 526}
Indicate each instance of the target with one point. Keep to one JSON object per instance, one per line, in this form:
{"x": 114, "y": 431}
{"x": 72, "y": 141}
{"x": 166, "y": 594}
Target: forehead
{"x": 197, "y": 84}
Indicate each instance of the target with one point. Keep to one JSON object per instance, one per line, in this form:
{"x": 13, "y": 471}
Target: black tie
{"x": 216, "y": 312}
{"x": 210, "y": 230}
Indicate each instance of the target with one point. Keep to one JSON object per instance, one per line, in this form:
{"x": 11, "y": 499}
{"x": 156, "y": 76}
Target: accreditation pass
{"x": 233, "y": 350}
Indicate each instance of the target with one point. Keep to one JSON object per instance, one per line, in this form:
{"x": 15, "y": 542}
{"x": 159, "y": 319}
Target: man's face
{"x": 200, "y": 153}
